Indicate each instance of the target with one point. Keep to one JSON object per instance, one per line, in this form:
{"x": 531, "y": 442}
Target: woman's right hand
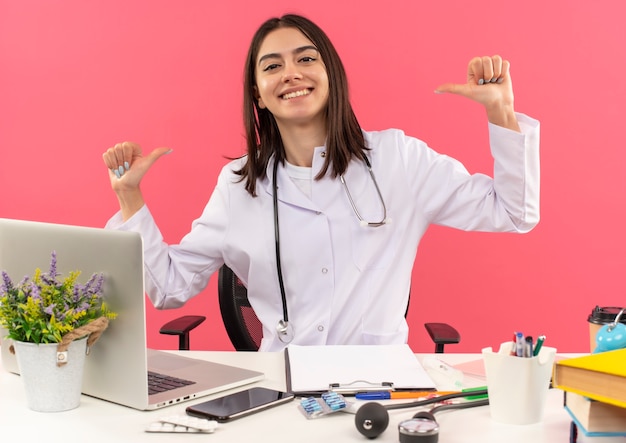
{"x": 127, "y": 165}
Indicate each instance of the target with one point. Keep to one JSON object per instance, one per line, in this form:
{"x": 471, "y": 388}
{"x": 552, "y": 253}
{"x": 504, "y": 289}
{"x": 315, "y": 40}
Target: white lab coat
{"x": 345, "y": 284}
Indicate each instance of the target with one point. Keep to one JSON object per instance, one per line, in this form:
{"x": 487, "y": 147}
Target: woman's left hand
{"x": 488, "y": 83}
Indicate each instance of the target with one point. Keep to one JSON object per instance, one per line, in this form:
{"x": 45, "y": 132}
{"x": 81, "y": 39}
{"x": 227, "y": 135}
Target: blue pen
{"x": 519, "y": 344}
{"x": 380, "y": 395}
{"x": 386, "y": 395}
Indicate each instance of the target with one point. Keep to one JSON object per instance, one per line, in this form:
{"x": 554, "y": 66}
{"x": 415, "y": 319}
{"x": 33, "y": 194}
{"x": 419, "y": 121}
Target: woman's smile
{"x": 300, "y": 93}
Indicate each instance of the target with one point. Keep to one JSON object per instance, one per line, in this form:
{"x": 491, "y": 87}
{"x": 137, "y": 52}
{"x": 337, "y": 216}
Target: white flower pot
{"x": 51, "y": 388}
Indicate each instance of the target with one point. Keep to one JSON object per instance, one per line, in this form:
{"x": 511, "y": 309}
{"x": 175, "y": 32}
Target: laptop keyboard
{"x": 161, "y": 382}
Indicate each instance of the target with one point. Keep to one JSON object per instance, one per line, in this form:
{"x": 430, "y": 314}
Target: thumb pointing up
{"x": 127, "y": 163}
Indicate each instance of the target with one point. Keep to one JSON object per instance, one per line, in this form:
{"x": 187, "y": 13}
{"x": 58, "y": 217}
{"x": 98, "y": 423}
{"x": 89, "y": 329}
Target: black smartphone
{"x": 239, "y": 404}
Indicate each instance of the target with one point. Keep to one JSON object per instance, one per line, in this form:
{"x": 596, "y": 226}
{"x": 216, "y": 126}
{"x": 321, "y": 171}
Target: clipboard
{"x": 348, "y": 369}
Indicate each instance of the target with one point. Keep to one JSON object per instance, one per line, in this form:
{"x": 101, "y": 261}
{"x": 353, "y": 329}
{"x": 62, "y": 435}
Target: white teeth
{"x": 296, "y": 94}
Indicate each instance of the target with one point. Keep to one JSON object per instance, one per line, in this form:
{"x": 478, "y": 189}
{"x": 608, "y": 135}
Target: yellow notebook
{"x": 599, "y": 376}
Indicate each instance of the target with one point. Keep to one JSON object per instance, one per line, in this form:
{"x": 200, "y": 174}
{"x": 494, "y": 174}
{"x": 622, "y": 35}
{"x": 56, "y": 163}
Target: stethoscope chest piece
{"x": 285, "y": 331}
{"x": 418, "y": 430}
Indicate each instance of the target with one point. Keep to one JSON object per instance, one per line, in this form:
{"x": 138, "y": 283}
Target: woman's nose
{"x": 291, "y": 72}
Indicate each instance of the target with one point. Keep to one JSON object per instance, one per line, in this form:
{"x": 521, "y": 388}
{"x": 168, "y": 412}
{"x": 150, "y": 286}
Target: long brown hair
{"x": 344, "y": 139}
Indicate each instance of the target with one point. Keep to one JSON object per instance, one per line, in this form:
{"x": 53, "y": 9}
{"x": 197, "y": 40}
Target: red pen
{"x": 513, "y": 344}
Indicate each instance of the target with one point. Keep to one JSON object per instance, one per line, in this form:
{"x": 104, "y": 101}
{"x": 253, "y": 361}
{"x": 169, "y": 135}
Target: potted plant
{"x": 51, "y": 321}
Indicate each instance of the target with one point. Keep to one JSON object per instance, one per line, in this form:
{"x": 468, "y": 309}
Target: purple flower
{"x": 77, "y": 292}
{"x": 49, "y": 309}
{"x": 35, "y": 291}
{"x": 83, "y": 307}
{"x": 7, "y": 284}
{"x": 94, "y": 285}
{"x": 99, "y": 284}
{"x": 53, "y": 265}
{"x": 47, "y": 280}
{"x": 50, "y": 278}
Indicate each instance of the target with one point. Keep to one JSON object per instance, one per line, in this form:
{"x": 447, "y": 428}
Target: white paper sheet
{"x": 355, "y": 368}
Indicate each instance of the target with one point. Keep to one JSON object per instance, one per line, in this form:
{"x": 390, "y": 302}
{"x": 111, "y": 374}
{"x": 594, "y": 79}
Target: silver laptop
{"x": 118, "y": 364}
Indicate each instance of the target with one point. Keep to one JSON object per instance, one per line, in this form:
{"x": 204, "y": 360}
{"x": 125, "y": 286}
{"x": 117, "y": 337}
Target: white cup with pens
{"x": 518, "y": 382}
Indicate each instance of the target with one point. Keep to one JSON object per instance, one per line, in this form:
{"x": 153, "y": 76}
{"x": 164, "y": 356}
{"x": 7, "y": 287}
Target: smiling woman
{"x": 300, "y": 126}
{"x": 292, "y": 84}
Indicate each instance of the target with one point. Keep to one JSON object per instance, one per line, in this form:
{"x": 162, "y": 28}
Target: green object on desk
{"x": 539, "y": 344}
{"x": 476, "y": 397}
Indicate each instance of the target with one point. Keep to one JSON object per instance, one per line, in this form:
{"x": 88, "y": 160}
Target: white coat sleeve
{"x": 176, "y": 273}
{"x": 516, "y": 171}
{"x": 508, "y": 202}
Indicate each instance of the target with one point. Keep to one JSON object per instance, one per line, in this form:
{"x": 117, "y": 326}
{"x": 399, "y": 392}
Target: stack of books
{"x": 595, "y": 391}
{"x": 595, "y": 418}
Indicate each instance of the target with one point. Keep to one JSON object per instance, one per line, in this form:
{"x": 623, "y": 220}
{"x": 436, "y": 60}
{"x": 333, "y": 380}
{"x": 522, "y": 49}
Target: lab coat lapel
{"x": 288, "y": 192}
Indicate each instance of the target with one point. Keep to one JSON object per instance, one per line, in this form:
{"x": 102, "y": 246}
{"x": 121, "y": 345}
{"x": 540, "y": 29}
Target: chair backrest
{"x": 242, "y": 325}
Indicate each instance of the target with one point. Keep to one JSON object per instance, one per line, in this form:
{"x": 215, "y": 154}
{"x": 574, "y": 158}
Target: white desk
{"x": 99, "y": 421}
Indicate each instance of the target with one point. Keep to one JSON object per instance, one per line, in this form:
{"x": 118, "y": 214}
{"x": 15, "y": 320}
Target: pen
{"x": 390, "y": 395}
{"x": 514, "y": 344}
{"x": 519, "y": 342}
{"x": 539, "y": 344}
{"x": 528, "y": 349}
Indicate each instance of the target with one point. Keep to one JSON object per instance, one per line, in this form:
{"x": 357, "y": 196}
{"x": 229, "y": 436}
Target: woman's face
{"x": 291, "y": 79}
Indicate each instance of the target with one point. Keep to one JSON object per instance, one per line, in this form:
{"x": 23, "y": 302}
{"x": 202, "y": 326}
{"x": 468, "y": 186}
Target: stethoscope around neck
{"x": 284, "y": 328}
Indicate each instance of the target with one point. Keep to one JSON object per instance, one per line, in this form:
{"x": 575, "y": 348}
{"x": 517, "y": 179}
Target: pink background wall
{"x": 78, "y": 76}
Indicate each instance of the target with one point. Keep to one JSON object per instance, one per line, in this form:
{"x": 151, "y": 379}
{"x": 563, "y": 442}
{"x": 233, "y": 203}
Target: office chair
{"x": 242, "y": 325}
{"x": 244, "y": 328}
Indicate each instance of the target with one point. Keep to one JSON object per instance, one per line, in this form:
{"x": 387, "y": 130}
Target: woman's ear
{"x": 258, "y": 98}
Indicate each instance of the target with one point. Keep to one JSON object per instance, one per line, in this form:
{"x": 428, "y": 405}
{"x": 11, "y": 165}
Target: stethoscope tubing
{"x": 279, "y": 268}
{"x": 284, "y": 329}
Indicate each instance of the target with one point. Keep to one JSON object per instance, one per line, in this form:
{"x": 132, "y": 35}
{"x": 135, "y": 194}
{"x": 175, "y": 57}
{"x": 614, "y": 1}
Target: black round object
{"x": 605, "y": 314}
{"x": 371, "y": 419}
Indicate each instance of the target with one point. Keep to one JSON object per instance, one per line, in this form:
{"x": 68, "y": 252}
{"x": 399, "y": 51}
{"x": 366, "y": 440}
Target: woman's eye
{"x": 270, "y": 67}
{"x": 307, "y": 59}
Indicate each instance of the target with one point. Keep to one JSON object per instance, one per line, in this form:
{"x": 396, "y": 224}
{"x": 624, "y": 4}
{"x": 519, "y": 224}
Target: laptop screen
{"x": 116, "y": 365}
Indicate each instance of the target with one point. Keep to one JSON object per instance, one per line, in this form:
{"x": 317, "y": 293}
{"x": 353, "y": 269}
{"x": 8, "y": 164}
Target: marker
{"x": 528, "y": 348}
{"x": 392, "y": 395}
{"x": 539, "y": 344}
{"x": 481, "y": 395}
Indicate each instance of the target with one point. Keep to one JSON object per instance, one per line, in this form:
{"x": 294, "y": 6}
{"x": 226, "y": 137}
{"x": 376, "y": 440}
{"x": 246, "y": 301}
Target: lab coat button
{"x": 324, "y": 270}
{"x": 320, "y": 328}
{"x": 323, "y": 154}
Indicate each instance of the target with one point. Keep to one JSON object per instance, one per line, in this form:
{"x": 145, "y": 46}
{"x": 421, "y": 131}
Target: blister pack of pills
{"x": 328, "y": 403}
{"x": 182, "y": 424}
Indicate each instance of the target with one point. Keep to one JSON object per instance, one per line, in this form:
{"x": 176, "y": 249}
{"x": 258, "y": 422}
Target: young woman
{"x": 322, "y": 220}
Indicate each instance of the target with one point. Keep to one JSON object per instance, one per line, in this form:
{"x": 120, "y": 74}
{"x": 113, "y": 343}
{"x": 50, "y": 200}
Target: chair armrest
{"x": 181, "y": 326}
{"x": 442, "y": 334}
